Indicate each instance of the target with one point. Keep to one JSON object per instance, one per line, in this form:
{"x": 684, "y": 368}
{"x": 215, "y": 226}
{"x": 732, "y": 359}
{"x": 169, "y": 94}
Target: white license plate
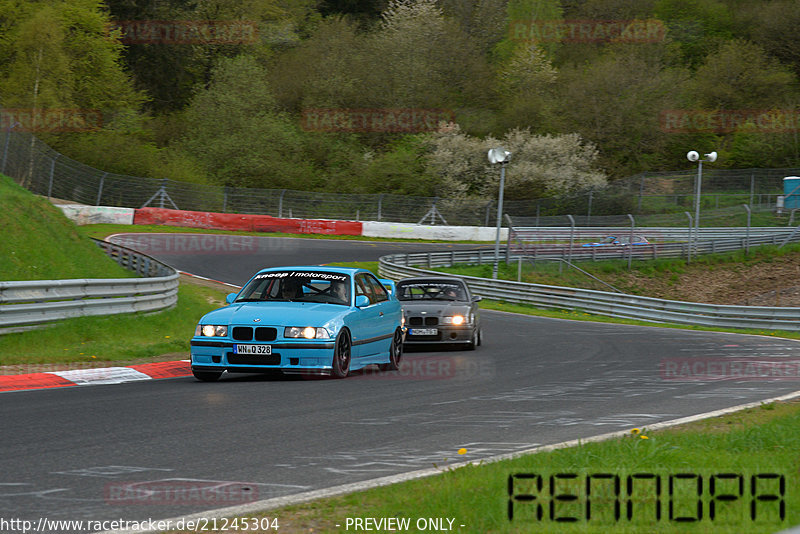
{"x": 252, "y": 349}
{"x": 424, "y": 331}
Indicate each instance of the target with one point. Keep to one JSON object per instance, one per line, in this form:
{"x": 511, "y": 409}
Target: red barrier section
{"x": 247, "y": 223}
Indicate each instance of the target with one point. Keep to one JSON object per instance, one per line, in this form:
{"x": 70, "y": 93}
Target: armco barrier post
{"x": 5, "y": 147}
{"x": 571, "y": 241}
{"x": 630, "y": 241}
{"x": 747, "y": 234}
{"x": 52, "y": 172}
{"x": 689, "y": 240}
{"x": 100, "y": 188}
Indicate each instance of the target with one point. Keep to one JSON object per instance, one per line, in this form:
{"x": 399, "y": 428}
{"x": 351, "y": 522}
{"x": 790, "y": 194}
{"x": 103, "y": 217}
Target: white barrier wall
{"x": 445, "y": 233}
{"x": 80, "y": 214}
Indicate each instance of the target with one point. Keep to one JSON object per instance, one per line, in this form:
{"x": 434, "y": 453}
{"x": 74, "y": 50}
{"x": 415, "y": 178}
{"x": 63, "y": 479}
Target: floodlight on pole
{"x": 501, "y": 156}
{"x": 693, "y": 156}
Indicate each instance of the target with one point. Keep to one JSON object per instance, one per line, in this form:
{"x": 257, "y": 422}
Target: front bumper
{"x": 302, "y": 356}
{"x": 444, "y": 334}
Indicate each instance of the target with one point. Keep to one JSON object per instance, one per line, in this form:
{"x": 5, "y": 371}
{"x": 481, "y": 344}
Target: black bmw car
{"x": 439, "y": 310}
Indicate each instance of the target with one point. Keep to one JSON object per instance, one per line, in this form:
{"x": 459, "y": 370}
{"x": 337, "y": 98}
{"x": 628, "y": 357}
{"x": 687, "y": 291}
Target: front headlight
{"x": 455, "y": 320}
{"x": 211, "y": 330}
{"x": 307, "y": 332}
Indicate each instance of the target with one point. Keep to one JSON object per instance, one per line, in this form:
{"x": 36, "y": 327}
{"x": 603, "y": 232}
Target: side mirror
{"x": 230, "y": 298}
{"x": 362, "y": 301}
{"x": 477, "y": 299}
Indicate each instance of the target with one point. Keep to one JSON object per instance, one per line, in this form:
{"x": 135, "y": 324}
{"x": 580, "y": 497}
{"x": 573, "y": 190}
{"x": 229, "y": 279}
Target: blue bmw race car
{"x": 318, "y": 320}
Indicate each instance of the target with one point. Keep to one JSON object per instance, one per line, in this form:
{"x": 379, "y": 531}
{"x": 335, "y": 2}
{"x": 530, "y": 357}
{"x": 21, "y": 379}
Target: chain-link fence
{"x": 44, "y": 171}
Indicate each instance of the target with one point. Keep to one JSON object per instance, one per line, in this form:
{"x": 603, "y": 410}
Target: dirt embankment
{"x": 766, "y": 283}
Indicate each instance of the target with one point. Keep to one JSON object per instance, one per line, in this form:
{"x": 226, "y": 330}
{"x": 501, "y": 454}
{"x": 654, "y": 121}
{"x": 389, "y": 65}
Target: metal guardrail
{"x": 650, "y": 251}
{"x": 611, "y": 304}
{"x": 34, "y": 302}
{"x": 585, "y": 234}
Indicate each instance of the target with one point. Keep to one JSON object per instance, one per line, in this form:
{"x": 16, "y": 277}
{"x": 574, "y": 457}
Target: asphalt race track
{"x": 66, "y": 452}
{"x": 235, "y": 258}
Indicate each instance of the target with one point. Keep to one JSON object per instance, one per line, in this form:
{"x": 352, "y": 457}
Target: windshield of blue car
{"x": 297, "y": 286}
{"x": 423, "y": 291}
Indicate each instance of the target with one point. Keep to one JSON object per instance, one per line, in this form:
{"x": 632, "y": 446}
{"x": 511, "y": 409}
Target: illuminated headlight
{"x": 307, "y": 332}
{"x": 455, "y": 319}
{"x": 211, "y": 330}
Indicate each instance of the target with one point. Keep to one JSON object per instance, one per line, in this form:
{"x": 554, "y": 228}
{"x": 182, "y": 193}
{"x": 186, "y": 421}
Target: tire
{"x": 476, "y": 340}
{"x": 395, "y": 353}
{"x": 207, "y": 376}
{"x": 342, "y": 352}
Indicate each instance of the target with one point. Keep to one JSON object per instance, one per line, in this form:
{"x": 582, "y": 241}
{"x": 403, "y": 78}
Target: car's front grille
{"x": 419, "y": 321}
{"x": 266, "y": 333}
{"x": 242, "y": 333}
{"x": 254, "y": 359}
{"x": 263, "y": 333}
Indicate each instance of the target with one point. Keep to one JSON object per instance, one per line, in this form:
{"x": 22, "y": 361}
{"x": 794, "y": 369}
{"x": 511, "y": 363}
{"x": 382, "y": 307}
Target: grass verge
{"x": 745, "y": 446}
{"x": 40, "y": 243}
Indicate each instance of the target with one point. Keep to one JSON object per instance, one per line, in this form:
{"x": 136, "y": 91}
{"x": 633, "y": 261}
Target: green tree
{"x": 616, "y": 102}
{"x": 169, "y": 70}
{"x": 484, "y": 21}
{"x": 695, "y": 27}
{"x": 58, "y": 54}
{"x": 522, "y": 14}
{"x": 526, "y": 83}
{"x": 239, "y": 135}
{"x": 740, "y": 75}
{"x": 775, "y": 29}
{"x": 420, "y": 58}
{"x": 327, "y": 70}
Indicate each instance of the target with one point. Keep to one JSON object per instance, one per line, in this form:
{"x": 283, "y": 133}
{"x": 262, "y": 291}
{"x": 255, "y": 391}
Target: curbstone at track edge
{"x": 94, "y": 377}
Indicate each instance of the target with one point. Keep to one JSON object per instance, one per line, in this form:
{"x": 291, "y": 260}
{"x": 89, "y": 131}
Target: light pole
{"x": 693, "y": 156}
{"x": 501, "y": 156}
